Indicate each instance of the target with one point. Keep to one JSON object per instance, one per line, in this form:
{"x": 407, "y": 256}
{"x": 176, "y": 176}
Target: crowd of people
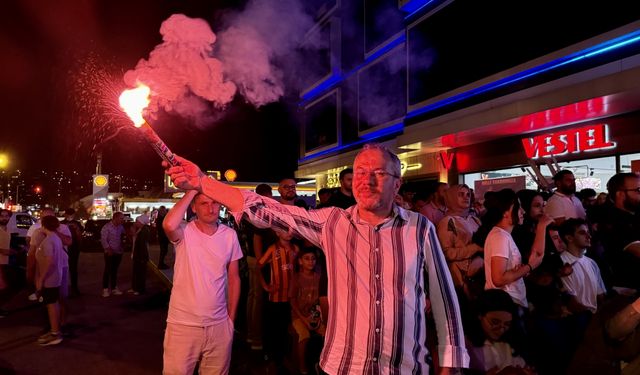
{"x": 378, "y": 278}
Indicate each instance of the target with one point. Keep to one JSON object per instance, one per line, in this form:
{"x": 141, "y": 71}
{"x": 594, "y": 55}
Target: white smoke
{"x": 264, "y": 32}
{"x": 183, "y": 66}
{"x": 186, "y": 66}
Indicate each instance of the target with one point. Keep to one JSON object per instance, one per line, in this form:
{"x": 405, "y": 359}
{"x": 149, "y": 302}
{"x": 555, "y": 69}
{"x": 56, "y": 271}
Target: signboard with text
{"x": 515, "y": 183}
{"x": 571, "y": 141}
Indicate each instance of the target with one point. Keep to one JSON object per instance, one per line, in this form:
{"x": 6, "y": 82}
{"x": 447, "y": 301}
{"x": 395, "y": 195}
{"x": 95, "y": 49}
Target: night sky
{"x": 61, "y": 61}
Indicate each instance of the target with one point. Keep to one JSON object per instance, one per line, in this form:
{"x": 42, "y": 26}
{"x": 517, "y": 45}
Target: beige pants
{"x": 184, "y": 346}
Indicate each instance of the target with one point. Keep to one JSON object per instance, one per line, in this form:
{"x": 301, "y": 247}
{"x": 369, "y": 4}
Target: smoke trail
{"x": 263, "y": 33}
{"x": 189, "y": 77}
{"x": 182, "y": 67}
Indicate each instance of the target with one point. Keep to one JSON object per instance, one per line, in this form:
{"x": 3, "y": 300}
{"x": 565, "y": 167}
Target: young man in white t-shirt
{"x": 206, "y": 289}
{"x": 584, "y": 284}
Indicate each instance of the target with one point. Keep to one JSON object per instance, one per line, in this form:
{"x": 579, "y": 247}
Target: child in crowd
{"x": 52, "y": 263}
{"x": 488, "y": 340}
{"x": 304, "y": 298}
{"x": 280, "y": 256}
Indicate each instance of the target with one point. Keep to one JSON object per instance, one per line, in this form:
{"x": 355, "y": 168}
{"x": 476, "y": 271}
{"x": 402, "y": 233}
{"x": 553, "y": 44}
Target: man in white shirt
{"x": 206, "y": 289}
{"x": 563, "y": 204}
{"x": 584, "y": 284}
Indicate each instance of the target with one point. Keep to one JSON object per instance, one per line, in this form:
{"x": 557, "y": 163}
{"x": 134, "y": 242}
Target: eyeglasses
{"x": 379, "y": 174}
{"x": 497, "y": 323}
{"x": 637, "y": 190}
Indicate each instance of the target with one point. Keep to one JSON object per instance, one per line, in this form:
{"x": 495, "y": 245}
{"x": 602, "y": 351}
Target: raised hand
{"x": 186, "y": 175}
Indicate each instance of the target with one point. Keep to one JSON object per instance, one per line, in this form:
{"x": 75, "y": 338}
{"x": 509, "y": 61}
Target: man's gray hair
{"x": 388, "y": 154}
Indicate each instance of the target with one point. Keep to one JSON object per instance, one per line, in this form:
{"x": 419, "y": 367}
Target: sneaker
{"x": 116, "y": 292}
{"x": 33, "y": 297}
{"x": 50, "y": 339}
{"x": 130, "y": 291}
{"x": 105, "y": 293}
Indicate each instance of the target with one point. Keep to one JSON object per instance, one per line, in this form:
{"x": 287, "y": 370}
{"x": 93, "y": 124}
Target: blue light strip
{"x": 415, "y": 6}
{"x": 590, "y": 52}
{"x": 336, "y": 79}
{"x": 364, "y": 139}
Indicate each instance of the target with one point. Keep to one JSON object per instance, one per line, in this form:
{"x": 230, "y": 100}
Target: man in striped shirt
{"x": 383, "y": 262}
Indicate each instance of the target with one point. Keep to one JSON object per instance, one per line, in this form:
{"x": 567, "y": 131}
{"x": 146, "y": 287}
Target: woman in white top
{"x": 503, "y": 264}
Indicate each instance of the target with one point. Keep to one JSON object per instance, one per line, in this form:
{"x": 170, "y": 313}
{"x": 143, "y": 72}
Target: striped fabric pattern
{"x": 281, "y": 261}
{"x": 379, "y": 278}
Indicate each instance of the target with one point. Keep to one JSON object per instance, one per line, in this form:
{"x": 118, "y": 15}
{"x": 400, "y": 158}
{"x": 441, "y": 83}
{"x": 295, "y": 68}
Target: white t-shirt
{"x": 499, "y": 243}
{"x": 560, "y": 205}
{"x": 585, "y": 282}
{"x": 51, "y": 246}
{"x": 199, "y": 294}
{"x": 37, "y": 234}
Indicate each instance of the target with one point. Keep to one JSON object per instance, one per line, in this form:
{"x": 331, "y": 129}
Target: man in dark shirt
{"x": 343, "y": 198}
{"x": 163, "y": 240}
{"x": 620, "y": 229}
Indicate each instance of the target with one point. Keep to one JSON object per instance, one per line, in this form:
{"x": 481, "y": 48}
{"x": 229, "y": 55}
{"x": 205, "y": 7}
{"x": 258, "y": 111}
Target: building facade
{"x": 466, "y": 90}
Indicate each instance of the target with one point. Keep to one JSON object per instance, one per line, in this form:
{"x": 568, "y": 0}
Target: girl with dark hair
{"x": 489, "y": 339}
{"x": 504, "y": 268}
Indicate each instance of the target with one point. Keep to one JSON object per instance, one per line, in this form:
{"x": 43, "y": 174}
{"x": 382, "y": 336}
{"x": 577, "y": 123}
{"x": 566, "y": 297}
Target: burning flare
{"x": 134, "y": 101}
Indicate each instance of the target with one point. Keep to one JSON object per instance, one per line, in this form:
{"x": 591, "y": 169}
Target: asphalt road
{"x": 114, "y": 335}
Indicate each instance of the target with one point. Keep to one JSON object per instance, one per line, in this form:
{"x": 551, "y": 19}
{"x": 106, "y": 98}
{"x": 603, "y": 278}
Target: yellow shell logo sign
{"x": 100, "y": 180}
{"x": 230, "y": 175}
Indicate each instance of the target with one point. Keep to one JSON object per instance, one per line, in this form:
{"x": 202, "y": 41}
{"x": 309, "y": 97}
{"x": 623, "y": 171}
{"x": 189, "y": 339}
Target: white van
{"x": 20, "y": 223}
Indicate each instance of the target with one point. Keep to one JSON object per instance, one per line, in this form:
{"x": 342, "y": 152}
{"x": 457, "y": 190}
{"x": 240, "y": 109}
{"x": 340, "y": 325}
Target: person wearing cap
{"x": 140, "y": 254}
{"x": 74, "y": 249}
{"x": 564, "y": 204}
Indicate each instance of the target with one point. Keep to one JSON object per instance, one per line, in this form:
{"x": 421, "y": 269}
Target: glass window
{"x": 592, "y": 173}
{"x": 589, "y": 173}
{"x": 627, "y": 161}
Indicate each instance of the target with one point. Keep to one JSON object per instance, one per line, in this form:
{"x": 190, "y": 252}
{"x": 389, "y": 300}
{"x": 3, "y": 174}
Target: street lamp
{"x": 4, "y": 162}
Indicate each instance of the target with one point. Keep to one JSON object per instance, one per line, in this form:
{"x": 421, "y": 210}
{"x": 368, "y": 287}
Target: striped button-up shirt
{"x": 377, "y": 287}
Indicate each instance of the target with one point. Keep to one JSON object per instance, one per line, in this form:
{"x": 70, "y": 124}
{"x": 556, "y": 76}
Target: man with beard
{"x": 620, "y": 229}
{"x": 563, "y": 204}
{"x": 343, "y": 198}
{"x": 382, "y": 261}
{"x": 287, "y": 190}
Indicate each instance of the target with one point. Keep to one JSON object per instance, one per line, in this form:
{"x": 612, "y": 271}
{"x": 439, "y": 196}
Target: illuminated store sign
{"x": 573, "y": 141}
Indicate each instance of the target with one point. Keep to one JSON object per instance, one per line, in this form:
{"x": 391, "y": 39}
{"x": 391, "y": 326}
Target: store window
{"x": 630, "y": 163}
{"x": 589, "y": 173}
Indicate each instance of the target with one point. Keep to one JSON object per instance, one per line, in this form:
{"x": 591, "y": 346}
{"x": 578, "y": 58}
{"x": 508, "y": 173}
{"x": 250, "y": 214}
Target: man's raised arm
{"x": 188, "y": 176}
{"x": 172, "y": 221}
{"x": 261, "y": 211}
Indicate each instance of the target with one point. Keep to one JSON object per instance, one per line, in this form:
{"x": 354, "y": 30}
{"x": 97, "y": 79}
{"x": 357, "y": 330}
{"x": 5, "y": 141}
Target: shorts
{"x": 50, "y": 295}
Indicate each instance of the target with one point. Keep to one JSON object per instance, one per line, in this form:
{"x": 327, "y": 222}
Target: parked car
{"x": 91, "y": 235}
